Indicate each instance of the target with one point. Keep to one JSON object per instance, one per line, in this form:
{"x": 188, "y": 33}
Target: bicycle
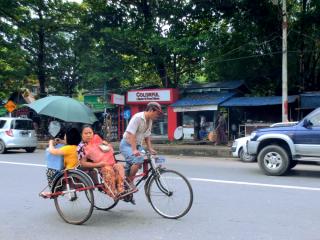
{"x": 76, "y": 192}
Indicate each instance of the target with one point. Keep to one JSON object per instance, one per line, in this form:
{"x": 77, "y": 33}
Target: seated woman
{"x": 112, "y": 172}
{"x": 69, "y": 152}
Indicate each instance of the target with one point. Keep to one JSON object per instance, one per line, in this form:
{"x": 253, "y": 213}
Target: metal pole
{"x": 284, "y": 63}
{"x": 119, "y": 130}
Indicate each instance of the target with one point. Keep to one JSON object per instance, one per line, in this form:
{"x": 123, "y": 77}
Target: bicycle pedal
{"x": 132, "y": 201}
{"x": 129, "y": 199}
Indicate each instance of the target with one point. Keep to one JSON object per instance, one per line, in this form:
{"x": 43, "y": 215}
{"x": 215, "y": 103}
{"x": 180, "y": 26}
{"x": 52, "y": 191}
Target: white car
{"x": 238, "y": 149}
{"x": 17, "y": 133}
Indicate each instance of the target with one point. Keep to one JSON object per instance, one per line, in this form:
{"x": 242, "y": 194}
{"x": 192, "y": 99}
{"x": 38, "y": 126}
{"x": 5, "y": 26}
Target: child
{"x": 68, "y": 152}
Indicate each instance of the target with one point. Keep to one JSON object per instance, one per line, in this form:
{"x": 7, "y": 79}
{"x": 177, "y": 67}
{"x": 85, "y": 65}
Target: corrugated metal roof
{"x": 213, "y": 98}
{"x": 256, "y": 101}
{"x": 310, "y": 100}
{"x": 224, "y": 85}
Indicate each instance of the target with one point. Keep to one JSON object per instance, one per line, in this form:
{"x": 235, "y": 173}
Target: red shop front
{"x": 165, "y": 126}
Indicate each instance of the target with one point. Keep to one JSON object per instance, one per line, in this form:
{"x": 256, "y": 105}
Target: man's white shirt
{"x": 138, "y": 126}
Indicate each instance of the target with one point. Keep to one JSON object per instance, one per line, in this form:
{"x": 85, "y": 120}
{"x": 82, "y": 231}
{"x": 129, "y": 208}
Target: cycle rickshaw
{"x": 76, "y": 193}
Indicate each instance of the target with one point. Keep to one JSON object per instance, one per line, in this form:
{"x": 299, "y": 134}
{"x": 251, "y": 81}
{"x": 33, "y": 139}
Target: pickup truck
{"x": 279, "y": 149}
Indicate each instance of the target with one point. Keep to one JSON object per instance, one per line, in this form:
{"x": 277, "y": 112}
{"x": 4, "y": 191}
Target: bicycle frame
{"x": 148, "y": 166}
{"x": 148, "y": 171}
{"x": 145, "y": 173}
{"x": 65, "y": 176}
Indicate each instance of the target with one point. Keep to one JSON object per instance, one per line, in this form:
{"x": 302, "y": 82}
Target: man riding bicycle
{"x": 138, "y": 129}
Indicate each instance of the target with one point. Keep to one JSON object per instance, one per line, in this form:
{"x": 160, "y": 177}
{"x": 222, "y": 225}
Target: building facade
{"x": 164, "y": 127}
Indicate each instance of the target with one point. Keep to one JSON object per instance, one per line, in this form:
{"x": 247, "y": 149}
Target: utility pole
{"x": 284, "y": 63}
{"x": 284, "y": 60}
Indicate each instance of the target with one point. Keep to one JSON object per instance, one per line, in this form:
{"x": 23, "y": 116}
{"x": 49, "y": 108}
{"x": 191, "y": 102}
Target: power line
{"x": 253, "y": 56}
{"x": 257, "y": 44}
{"x": 305, "y": 35}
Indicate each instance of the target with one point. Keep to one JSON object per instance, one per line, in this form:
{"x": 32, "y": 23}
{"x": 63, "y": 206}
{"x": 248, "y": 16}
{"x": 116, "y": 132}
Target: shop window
{"x": 160, "y": 126}
{"x": 188, "y": 121}
{"x": 188, "y": 126}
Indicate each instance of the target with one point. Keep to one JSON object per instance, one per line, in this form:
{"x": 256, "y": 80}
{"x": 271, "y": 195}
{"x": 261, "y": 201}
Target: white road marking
{"x": 204, "y": 179}
{"x": 254, "y": 184}
{"x": 24, "y": 164}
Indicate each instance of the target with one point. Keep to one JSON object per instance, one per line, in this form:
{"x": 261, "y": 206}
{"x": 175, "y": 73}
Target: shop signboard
{"x": 143, "y": 96}
{"x": 117, "y": 99}
{"x": 96, "y": 103}
{"x": 22, "y": 112}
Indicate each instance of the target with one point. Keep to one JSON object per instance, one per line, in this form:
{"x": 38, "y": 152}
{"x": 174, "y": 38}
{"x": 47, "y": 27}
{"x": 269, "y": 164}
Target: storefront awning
{"x": 310, "y": 100}
{"x": 256, "y": 101}
{"x": 201, "y": 102}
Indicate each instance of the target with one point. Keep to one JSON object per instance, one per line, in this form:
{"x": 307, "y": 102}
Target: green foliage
{"x": 40, "y": 35}
{"x": 121, "y": 44}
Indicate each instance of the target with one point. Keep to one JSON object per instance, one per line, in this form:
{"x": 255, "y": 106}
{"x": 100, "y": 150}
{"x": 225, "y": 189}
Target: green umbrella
{"x": 64, "y": 108}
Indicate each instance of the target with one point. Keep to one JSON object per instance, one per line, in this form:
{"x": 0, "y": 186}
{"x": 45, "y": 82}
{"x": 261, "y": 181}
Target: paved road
{"x": 233, "y": 200}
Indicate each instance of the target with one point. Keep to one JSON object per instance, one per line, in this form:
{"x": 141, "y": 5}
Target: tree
{"x": 13, "y": 59}
{"x": 305, "y": 47}
{"x": 141, "y": 41}
{"x": 121, "y": 44}
{"x": 34, "y": 28}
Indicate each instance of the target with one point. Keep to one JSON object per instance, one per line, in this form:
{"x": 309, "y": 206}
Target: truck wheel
{"x": 273, "y": 160}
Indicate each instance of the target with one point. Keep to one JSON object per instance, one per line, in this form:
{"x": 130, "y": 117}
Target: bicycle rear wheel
{"x": 76, "y": 201}
{"x": 102, "y": 201}
{"x": 170, "y": 194}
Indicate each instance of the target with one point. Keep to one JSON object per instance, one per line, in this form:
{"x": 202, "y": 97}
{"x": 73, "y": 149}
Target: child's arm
{"x": 54, "y": 150}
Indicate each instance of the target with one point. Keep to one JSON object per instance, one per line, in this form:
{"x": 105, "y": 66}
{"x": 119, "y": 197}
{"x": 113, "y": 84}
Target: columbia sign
{"x": 152, "y": 96}
{"x": 162, "y": 95}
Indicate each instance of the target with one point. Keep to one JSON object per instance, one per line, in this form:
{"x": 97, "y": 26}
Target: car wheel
{"x": 30, "y": 149}
{"x": 2, "y": 147}
{"x": 274, "y": 160}
{"x": 245, "y": 157}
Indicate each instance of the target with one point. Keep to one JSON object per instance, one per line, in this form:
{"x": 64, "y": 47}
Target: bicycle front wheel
{"x": 170, "y": 194}
{"x": 75, "y": 200}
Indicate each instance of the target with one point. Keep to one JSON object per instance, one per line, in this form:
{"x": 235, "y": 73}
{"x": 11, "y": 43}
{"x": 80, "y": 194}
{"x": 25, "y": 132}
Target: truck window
{"x": 315, "y": 120}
